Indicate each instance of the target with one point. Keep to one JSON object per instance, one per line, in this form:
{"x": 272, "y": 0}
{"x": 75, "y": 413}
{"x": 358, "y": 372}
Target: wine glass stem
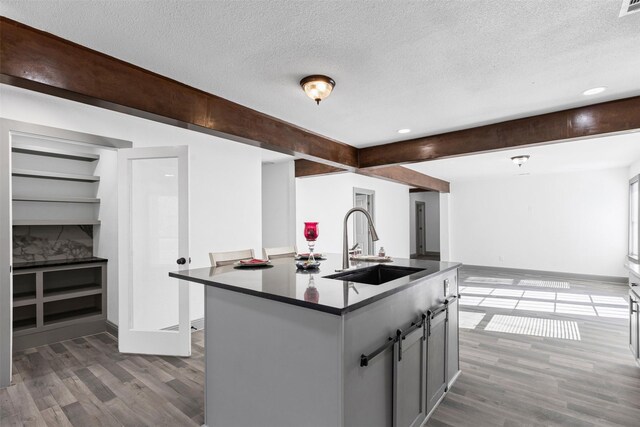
{"x": 312, "y": 244}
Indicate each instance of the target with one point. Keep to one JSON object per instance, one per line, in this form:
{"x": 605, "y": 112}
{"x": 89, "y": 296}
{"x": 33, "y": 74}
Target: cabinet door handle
{"x": 399, "y": 339}
{"x": 424, "y": 327}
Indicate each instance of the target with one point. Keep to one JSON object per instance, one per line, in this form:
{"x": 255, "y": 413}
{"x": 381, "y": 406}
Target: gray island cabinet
{"x": 291, "y": 348}
{"x": 634, "y": 310}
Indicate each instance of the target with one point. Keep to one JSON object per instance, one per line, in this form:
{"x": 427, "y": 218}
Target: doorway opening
{"x": 421, "y": 229}
{"x": 425, "y": 225}
{"x": 363, "y": 199}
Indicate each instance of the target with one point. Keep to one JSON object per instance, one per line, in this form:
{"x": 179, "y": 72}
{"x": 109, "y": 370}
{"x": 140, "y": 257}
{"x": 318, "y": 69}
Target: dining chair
{"x": 219, "y": 259}
{"x": 281, "y": 252}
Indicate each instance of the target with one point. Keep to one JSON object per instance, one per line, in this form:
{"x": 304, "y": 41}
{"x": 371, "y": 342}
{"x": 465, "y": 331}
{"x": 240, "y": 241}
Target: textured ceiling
{"x": 431, "y": 66}
{"x": 607, "y": 152}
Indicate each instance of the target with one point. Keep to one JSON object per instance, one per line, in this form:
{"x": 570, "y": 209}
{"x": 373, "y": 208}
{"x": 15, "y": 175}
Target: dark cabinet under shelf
{"x": 65, "y": 282}
{"x": 24, "y": 317}
{"x": 24, "y": 287}
{"x": 54, "y": 303}
{"x": 72, "y": 309}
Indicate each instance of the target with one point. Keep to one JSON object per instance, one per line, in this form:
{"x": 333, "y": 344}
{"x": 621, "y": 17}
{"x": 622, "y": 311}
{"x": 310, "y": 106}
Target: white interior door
{"x": 363, "y": 199}
{"x": 360, "y": 224}
{"x": 421, "y": 243}
{"x": 153, "y": 212}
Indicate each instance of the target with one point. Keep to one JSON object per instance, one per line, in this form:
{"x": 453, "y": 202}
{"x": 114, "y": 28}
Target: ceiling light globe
{"x": 317, "y": 87}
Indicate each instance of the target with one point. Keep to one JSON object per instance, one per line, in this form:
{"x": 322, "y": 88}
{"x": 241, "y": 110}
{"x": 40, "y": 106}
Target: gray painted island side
{"x": 291, "y": 348}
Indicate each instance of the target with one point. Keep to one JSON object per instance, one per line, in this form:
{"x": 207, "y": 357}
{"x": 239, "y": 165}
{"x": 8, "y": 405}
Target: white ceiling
{"x": 597, "y": 153}
{"x": 431, "y": 66}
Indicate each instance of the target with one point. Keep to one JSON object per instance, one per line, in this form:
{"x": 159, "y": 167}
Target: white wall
{"x": 225, "y": 179}
{"x": 571, "y": 222}
{"x": 634, "y": 169}
{"x": 326, "y": 199}
{"x": 278, "y": 204}
{"x": 445, "y": 221}
{"x": 432, "y": 220}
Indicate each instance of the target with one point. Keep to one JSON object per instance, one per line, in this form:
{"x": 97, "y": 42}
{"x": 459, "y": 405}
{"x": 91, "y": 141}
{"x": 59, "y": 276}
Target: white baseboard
{"x": 196, "y": 325}
{"x": 579, "y": 276}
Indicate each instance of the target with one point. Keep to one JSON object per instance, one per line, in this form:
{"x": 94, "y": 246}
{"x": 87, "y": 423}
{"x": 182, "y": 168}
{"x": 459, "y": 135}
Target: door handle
{"x": 183, "y": 261}
{"x": 399, "y": 339}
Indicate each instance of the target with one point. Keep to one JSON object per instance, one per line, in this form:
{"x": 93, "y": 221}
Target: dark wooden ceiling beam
{"x": 598, "y": 119}
{"x": 407, "y": 176}
{"x": 398, "y": 174}
{"x": 307, "y": 168}
{"x": 44, "y": 62}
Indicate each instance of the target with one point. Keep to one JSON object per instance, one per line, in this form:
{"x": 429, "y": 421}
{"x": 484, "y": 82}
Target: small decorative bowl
{"x": 306, "y": 265}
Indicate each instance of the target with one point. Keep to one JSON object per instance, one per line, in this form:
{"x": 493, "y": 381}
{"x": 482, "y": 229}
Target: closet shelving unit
{"x": 54, "y": 300}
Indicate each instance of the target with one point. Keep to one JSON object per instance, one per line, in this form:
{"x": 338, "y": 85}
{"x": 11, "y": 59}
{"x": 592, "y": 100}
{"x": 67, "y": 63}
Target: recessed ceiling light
{"x": 404, "y": 130}
{"x": 594, "y": 90}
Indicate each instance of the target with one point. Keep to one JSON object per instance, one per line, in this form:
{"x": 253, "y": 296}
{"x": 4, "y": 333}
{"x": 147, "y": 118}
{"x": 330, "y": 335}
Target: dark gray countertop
{"x": 282, "y": 282}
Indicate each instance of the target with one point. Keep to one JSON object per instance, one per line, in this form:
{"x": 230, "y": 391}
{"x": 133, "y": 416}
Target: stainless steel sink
{"x": 375, "y": 275}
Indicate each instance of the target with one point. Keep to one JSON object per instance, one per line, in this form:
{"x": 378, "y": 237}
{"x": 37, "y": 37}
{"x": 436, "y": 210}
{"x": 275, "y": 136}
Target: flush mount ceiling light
{"x": 317, "y": 87}
{"x": 520, "y": 160}
{"x": 594, "y": 91}
{"x": 404, "y": 130}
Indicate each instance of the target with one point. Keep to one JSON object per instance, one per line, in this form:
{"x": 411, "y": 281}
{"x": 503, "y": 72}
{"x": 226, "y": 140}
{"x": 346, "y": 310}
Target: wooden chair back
{"x": 219, "y": 259}
{"x": 281, "y": 252}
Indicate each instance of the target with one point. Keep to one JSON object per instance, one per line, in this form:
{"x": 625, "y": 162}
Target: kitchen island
{"x": 292, "y": 348}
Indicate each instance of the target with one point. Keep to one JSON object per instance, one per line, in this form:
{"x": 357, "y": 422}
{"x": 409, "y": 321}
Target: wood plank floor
{"x": 85, "y": 382}
{"x": 512, "y": 378}
{"x": 509, "y": 378}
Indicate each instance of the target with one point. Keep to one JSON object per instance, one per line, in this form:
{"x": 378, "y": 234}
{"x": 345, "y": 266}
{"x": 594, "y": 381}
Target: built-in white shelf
{"x": 56, "y": 222}
{"x": 56, "y": 199}
{"x": 53, "y": 152}
{"x": 27, "y": 173}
